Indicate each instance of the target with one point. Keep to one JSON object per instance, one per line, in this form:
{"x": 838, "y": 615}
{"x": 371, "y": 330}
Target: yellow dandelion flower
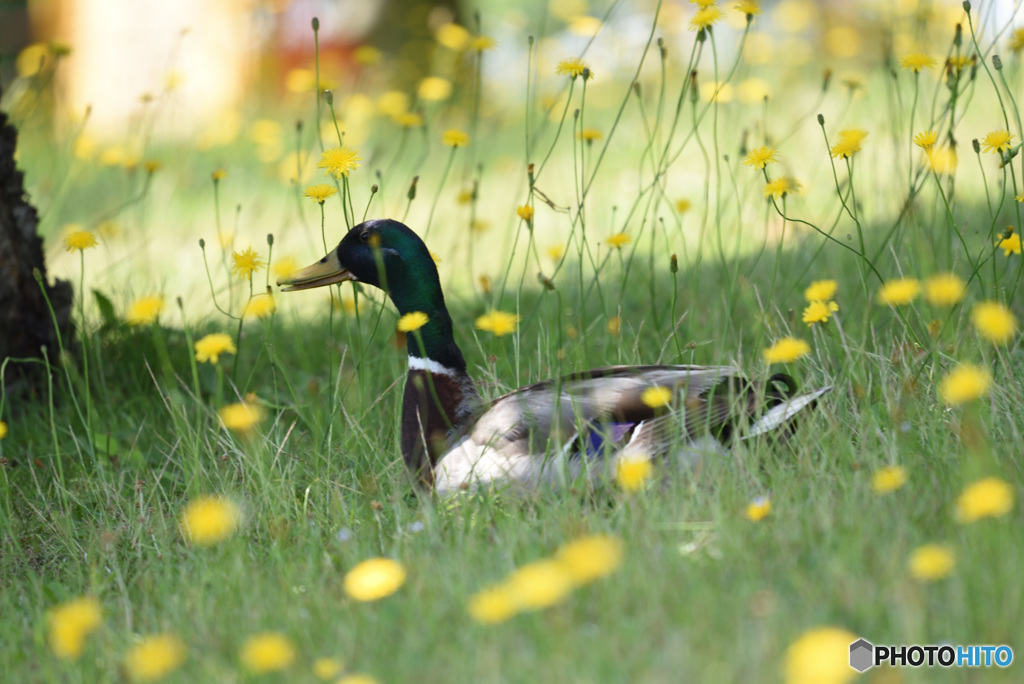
{"x": 219, "y": 175}
{"x": 749, "y": 7}
{"x": 260, "y": 306}
{"x": 1010, "y": 244}
{"x": 965, "y": 383}
{"x": 210, "y": 347}
{"x": 931, "y": 562}
{"x": 759, "y": 157}
{"x": 79, "y": 239}
{"x": 704, "y": 3}
{"x": 493, "y": 605}
{"x": 152, "y": 166}
{"x": 319, "y": 192}
{"x": 656, "y": 396}
{"x": 267, "y": 652}
{"x": 780, "y": 187}
{"x": 246, "y": 262}
{"x": 573, "y": 67}
{"x": 367, "y": 55}
{"x": 539, "y": 584}
{"x": 705, "y": 18}
{"x": 1019, "y": 198}
{"x": 683, "y": 205}
{"x": 241, "y": 417}
{"x": 374, "y": 579}
{"x": 926, "y": 139}
{"x": 3, "y": 429}
{"x": 210, "y": 519}
{"x": 944, "y": 289}
{"x": 145, "y": 310}
{"x": 819, "y": 312}
{"x": 525, "y": 212}
{"x": 900, "y": 291}
{"x": 155, "y": 657}
{"x": 498, "y": 323}
{"x": 821, "y": 291}
{"x": 618, "y": 240}
{"x": 888, "y": 479}
{"x": 997, "y": 141}
{"x": 614, "y": 325}
{"x": 452, "y": 36}
{"x": 327, "y": 668}
{"x": 989, "y": 497}
{"x": 434, "y": 89}
{"x": 70, "y": 623}
{"x": 848, "y": 143}
{"x": 589, "y": 135}
{"x": 339, "y": 161}
{"x": 758, "y": 509}
{"x": 590, "y": 558}
{"x": 994, "y": 321}
{"x": 481, "y": 43}
{"x": 32, "y": 59}
{"x": 556, "y": 252}
{"x": 820, "y": 656}
{"x": 408, "y": 119}
{"x": 941, "y": 160}
{"x": 1017, "y": 40}
{"x": 412, "y": 321}
{"x": 916, "y": 61}
{"x": 392, "y": 103}
{"x": 786, "y": 350}
{"x": 285, "y": 266}
{"x": 454, "y": 138}
{"x": 632, "y": 471}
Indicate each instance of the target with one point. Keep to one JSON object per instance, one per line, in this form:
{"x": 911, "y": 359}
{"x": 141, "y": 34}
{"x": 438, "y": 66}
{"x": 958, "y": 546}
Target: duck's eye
{"x": 365, "y": 236}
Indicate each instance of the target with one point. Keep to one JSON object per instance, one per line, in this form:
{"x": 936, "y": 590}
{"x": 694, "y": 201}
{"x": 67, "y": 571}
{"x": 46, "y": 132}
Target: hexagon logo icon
{"x": 861, "y": 655}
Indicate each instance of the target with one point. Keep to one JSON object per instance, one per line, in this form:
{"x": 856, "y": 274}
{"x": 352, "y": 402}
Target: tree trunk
{"x": 26, "y": 324}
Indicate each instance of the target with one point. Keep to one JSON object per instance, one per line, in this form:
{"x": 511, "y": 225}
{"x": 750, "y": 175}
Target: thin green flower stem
{"x": 440, "y": 187}
{"x": 209, "y": 279}
{"x": 66, "y": 367}
{"x": 558, "y": 131}
{"x": 984, "y": 65}
{"x": 956, "y": 229}
{"x": 85, "y": 337}
{"x": 190, "y": 345}
{"x": 728, "y": 79}
{"x": 316, "y": 88}
{"x": 238, "y": 336}
{"x": 162, "y": 354}
{"x": 910, "y": 143}
{"x": 350, "y": 212}
{"x": 220, "y": 239}
{"x": 56, "y": 460}
{"x": 984, "y": 182}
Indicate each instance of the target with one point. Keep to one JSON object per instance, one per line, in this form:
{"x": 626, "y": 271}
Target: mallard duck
{"x": 552, "y": 432}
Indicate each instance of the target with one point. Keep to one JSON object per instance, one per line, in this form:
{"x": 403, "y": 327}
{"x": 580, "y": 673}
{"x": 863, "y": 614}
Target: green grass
{"x": 703, "y": 594}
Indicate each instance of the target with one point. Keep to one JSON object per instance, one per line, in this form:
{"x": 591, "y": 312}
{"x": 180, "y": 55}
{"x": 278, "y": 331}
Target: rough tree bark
{"x": 26, "y": 324}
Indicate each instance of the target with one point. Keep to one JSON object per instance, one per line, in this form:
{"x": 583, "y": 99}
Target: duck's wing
{"x": 561, "y": 426}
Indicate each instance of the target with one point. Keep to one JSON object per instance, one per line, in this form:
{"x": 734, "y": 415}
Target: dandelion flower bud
{"x": 997, "y": 62}
{"x": 316, "y": 24}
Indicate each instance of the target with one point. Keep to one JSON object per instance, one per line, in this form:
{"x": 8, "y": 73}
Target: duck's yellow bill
{"x": 327, "y": 271}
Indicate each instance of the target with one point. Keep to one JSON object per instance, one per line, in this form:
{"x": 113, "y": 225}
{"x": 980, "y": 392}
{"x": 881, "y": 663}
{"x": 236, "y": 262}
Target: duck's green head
{"x": 383, "y": 253}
